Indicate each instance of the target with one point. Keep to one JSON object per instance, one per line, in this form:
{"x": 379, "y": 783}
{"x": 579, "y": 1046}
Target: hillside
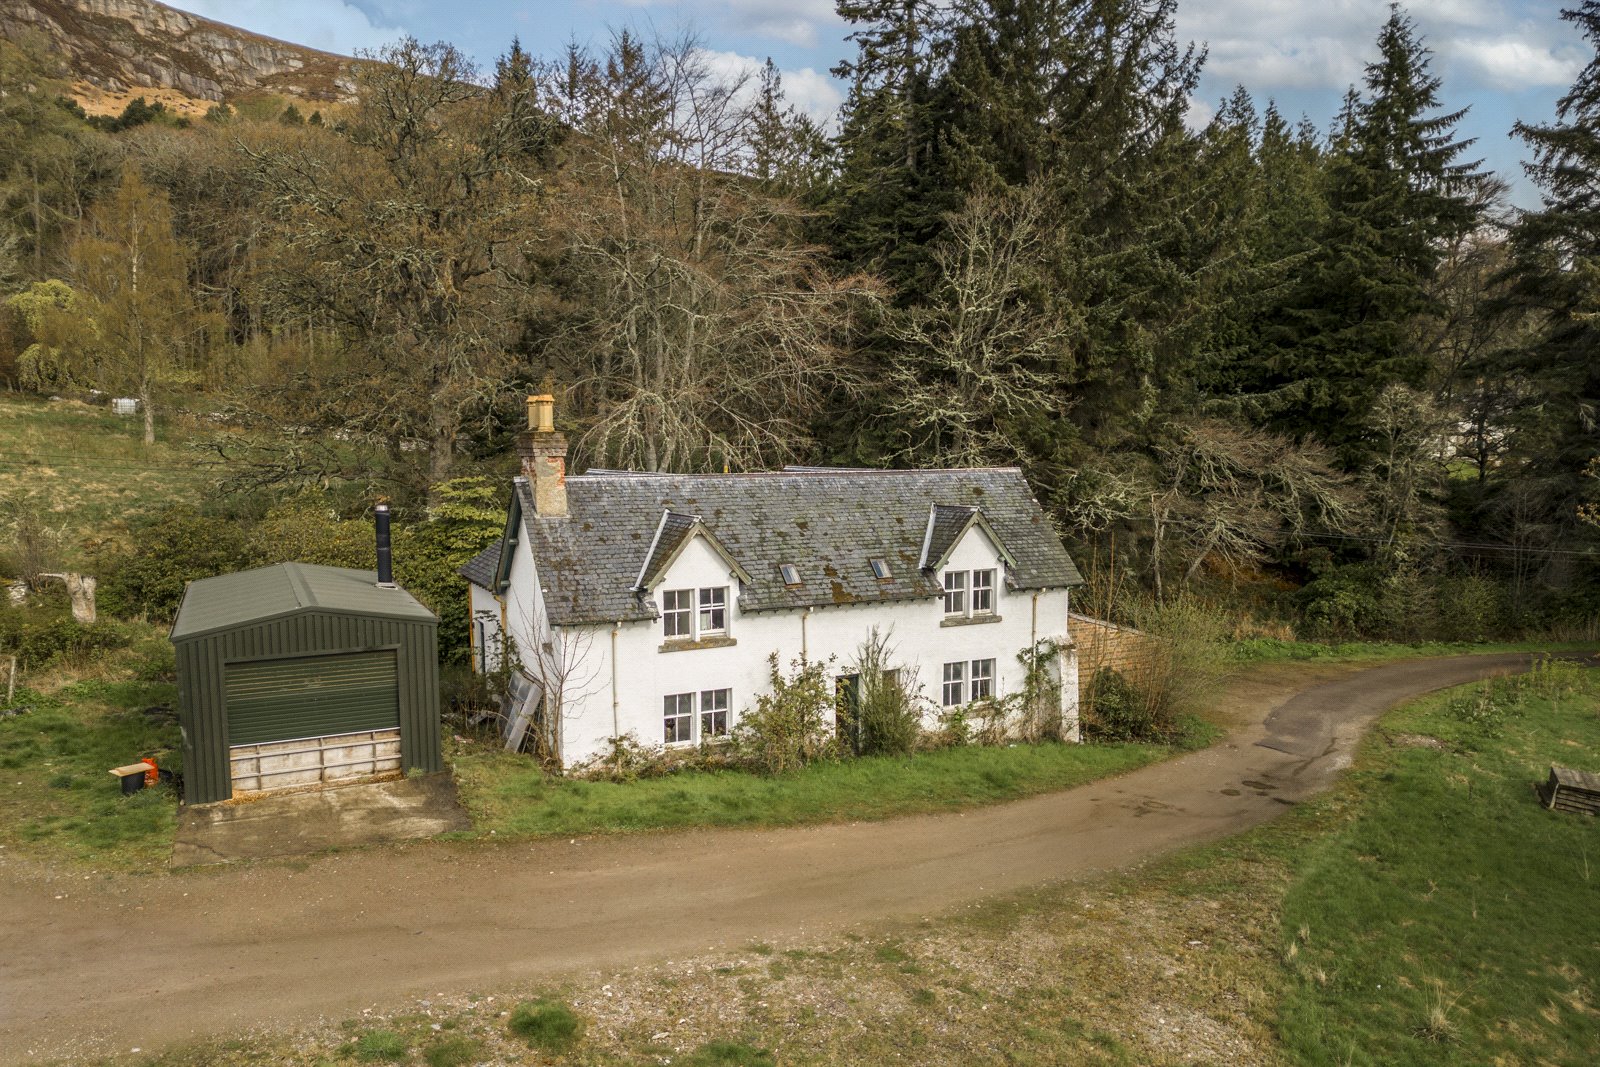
{"x": 119, "y": 47}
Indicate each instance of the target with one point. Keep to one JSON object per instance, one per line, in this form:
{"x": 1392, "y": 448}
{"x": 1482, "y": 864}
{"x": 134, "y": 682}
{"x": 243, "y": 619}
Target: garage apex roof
{"x": 246, "y": 597}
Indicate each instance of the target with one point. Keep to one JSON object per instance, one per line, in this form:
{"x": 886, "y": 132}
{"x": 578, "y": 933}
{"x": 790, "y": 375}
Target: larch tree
{"x": 144, "y": 331}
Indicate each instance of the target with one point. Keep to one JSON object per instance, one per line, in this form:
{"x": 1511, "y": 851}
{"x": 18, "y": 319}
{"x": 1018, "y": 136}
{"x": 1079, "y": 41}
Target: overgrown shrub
{"x": 1470, "y": 608}
{"x": 547, "y": 1024}
{"x": 1344, "y": 603}
{"x": 887, "y": 719}
{"x": 39, "y": 637}
{"x": 167, "y": 552}
{"x": 789, "y": 727}
{"x": 1118, "y": 710}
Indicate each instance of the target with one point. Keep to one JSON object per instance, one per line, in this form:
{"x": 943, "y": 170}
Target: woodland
{"x": 1326, "y": 378}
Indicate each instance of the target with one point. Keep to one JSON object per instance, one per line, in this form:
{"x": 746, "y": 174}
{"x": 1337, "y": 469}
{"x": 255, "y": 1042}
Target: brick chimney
{"x": 544, "y": 457}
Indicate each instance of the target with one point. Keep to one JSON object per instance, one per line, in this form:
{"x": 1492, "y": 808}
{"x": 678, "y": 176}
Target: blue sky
{"x": 1506, "y": 59}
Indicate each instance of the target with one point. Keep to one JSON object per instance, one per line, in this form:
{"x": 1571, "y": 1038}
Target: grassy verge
{"x": 1272, "y": 650}
{"x": 58, "y": 802}
{"x": 1430, "y": 871}
{"x": 508, "y": 795}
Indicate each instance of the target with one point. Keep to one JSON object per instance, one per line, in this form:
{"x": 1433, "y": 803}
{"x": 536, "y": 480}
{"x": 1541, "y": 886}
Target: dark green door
{"x": 286, "y": 699}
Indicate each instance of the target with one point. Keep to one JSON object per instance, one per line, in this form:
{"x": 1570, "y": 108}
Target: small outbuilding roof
{"x": 245, "y": 597}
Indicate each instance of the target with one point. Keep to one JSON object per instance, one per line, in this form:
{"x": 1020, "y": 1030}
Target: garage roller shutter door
{"x": 278, "y": 700}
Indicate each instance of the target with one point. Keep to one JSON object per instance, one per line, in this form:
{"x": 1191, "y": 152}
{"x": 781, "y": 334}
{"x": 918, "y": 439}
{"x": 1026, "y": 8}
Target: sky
{"x": 1504, "y": 59}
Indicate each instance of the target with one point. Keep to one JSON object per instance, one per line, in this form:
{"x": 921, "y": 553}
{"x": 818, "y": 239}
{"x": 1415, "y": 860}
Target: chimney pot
{"x": 542, "y": 413}
{"x": 544, "y": 457}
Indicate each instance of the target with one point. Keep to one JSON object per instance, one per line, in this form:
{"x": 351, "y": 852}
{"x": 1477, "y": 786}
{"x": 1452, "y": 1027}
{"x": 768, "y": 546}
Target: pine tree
{"x": 1556, "y": 277}
{"x": 1396, "y": 189}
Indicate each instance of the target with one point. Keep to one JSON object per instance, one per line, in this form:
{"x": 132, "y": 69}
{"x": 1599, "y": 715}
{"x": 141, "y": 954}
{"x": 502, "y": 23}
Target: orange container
{"x": 153, "y": 775}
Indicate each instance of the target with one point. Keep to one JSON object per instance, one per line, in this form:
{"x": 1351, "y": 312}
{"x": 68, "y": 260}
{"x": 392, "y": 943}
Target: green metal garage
{"x": 296, "y": 675}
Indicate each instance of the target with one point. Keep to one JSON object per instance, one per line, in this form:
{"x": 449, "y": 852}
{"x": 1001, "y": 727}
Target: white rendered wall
{"x": 920, "y": 645}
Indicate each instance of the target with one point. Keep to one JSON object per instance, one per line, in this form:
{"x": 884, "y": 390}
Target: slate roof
{"x": 829, "y": 523}
{"x": 947, "y": 522}
{"x": 247, "y": 597}
{"x": 671, "y": 531}
{"x": 479, "y": 570}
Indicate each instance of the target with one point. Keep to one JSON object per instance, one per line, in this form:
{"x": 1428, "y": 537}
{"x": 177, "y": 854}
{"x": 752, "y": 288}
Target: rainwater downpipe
{"x": 616, "y": 701}
{"x": 804, "y": 615}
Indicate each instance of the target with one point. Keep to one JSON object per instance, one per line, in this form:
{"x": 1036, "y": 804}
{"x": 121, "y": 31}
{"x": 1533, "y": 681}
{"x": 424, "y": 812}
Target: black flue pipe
{"x": 385, "y": 560}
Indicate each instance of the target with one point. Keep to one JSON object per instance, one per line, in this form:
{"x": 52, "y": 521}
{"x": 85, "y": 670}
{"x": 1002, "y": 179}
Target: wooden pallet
{"x": 1570, "y": 790}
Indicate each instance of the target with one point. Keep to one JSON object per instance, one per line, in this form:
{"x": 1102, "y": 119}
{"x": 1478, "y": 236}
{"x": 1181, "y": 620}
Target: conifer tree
{"x": 1556, "y": 276}
{"x": 1397, "y": 188}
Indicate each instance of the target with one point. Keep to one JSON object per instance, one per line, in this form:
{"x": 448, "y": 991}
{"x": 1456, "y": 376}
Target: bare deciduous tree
{"x": 976, "y": 359}
{"x": 699, "y": 330}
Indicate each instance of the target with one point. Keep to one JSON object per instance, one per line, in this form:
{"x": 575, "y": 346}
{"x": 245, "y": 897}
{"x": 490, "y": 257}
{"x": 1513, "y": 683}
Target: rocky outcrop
{"x": 126, "y": 44}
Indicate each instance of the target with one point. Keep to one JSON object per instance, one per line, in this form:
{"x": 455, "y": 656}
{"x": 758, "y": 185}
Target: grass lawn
{"x": 58, "y": 802}
{"x": 509, "y": 795}
{"x": 1448, "y": 917}
{"x": 86, "y": 470}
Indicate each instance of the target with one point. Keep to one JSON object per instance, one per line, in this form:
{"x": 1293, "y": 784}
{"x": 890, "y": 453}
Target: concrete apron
{"x": 293, "y": 824}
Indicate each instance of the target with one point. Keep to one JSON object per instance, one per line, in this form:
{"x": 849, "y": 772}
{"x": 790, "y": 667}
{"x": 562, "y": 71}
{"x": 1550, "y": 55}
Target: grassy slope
{"x": 86, "y": 471}
{"x": 1261, "y": 950}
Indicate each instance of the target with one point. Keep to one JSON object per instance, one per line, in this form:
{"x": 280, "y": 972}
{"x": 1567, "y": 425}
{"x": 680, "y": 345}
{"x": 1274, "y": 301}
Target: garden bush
{"x": 790, "y": 726}
{"x": 887, "y": 719}
{"x": 166, "y": 553}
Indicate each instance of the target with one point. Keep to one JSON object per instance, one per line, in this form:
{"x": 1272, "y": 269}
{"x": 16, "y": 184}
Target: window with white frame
{"x": 713, "y": 611}
{"x": 690, "y": 717}
{"x": 690, "y": 614}
{"x": 714, "y": 713}
{"x": 967, "y": 680}
{"x": 677, "y": 717}
{"x": 955, "y": 592}
{"x": 955, "y": 684}
{"x": 981, "y": 679}
{"x": 983, "y": 592}
{"x": 677, "y": 613}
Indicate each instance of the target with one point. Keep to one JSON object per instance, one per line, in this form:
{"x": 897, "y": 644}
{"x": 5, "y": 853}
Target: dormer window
{"x": 955, "y": 592}
{"x": 790, "y": 573}
{"x": 983, "y": 592}
{"x": 880, "y": 569}
{"x": 689, "y": 615}
{"x": 677, "y": 610}
{"x": 713, "y": 611}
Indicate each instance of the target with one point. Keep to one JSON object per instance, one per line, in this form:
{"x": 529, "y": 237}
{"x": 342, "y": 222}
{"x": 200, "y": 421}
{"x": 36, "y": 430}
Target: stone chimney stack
{"x": 544, "y": 457}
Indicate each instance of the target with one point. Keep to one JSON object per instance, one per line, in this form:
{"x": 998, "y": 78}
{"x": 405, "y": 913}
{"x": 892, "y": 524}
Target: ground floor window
{"x": 680, "y": 723}
{"x": 982, "y": 679}
{"x": 714, "y": 713}
{"x": 966, "y": 680}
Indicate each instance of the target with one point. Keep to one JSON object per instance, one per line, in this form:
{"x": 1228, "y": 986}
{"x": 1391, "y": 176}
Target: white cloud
{"x": 796, "y": 22}
{"x": 812, "y": 92}
{"x": 331, "y": 25}
{"x": 1515, "y": 65}
{"x": 1199, "y": 114}
{"x": 1272, "y": 45}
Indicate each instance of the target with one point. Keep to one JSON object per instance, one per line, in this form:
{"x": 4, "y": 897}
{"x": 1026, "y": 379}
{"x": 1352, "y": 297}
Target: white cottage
{"x": 649, "y": 604}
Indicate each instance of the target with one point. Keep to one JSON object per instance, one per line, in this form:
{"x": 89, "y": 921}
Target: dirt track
{"x": 282, "y": 942}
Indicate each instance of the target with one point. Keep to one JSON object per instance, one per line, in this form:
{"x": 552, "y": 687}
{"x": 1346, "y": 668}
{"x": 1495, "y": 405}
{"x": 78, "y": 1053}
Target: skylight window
{"x": 880, "y": 570}
{"x": 791, "y": 574}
